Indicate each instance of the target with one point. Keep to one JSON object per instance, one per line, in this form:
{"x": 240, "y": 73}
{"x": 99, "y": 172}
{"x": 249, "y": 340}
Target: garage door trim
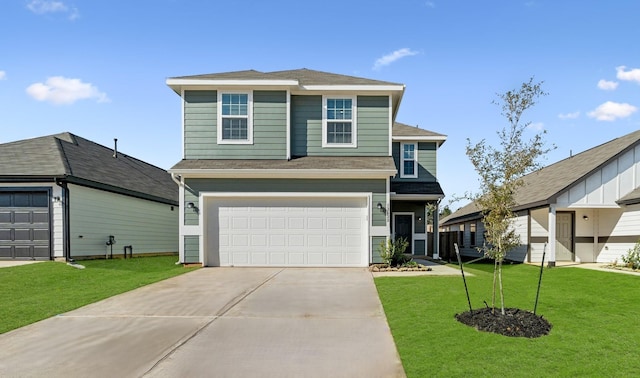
{"x": 207, "y": 199}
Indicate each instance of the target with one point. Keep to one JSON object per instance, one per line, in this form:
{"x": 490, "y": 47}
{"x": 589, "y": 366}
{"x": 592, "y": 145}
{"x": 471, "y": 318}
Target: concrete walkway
{"x": 226, "y": 322}
{"x": 436, "y": 270}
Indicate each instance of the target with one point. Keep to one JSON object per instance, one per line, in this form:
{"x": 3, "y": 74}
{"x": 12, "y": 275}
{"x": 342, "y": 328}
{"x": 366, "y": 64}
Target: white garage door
{"x": 298, "y": 231}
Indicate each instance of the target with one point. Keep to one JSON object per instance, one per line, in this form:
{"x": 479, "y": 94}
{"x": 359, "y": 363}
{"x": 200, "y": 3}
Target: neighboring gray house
{"x": 587, "y": 204}
{"x": 299, "y": 168}
{"x": 62, "y": 196}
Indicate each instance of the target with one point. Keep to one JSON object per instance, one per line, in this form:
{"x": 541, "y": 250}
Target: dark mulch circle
{"x": 515, "y": 322}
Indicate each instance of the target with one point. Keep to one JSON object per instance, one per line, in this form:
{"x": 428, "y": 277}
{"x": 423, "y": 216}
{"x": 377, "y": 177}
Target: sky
{"x": 97, "y": 68}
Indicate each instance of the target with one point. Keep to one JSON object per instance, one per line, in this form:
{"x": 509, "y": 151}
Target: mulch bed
{"x": 515, "y": 322}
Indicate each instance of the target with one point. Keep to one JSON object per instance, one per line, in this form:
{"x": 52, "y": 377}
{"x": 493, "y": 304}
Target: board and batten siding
{"x": 148, "y": 226}
{"x": 372, "y": 127}
{"x": 427, "y": 152}
{"x": 607, "y": 184}
{"x": 269, "y": 127}
{"x": 193, "y": 187}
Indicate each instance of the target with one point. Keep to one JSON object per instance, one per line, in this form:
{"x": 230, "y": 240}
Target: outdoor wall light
{"x": 585, "y": 217}
{"x": 419, "y": 219}
{"x": 382, "y": 208}
{"x": 192, "y": 206}
{"x": 55, "y": 199}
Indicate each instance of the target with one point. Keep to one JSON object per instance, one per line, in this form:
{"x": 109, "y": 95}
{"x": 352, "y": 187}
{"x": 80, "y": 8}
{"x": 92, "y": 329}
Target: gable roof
{"x": 401, "y": 131}
{"x": 545, "y": 185}
{"x": 77, "y": 160}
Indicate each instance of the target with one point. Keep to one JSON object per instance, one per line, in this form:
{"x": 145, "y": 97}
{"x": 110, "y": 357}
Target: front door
{"x": 403, "y": 228}
{"x": 564, "y": 237}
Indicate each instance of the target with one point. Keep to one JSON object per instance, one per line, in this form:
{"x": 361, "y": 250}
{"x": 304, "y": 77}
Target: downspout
{"x": 66, "y": 234}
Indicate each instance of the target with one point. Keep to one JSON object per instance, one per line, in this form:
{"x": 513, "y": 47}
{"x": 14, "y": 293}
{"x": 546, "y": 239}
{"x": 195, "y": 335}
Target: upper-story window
{"x": 235, "y": 123}
{"x": 339, "y": 127}
{"x": 409, "y": 160}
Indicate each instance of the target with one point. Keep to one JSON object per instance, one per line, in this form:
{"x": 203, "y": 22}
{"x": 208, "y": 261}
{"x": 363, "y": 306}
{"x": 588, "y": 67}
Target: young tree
{"x": 501, "y": 170}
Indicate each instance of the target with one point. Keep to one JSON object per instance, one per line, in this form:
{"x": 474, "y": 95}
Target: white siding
{"x": 606, "y": 185}
{"x": 539, "y": 228}
{"x": 621, "y": 224}
{"x": 520, "y": 225}
{"x": 150, "y": 227}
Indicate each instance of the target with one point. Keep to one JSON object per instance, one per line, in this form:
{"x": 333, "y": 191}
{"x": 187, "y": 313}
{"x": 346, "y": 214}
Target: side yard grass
{"x": 33, "y": 292}
{"x": 594, "y": 315}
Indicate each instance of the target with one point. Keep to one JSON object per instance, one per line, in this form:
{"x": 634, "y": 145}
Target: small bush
{"x": 392, "y": 251}
{"x": 632, "y": 258}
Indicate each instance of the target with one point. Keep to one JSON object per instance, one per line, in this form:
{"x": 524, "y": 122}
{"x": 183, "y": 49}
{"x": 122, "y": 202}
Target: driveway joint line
{"x": 226, "y": 308}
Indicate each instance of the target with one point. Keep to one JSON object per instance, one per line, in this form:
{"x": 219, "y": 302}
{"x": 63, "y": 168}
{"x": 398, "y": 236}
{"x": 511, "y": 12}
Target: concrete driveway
{"x": 223, "y": 322}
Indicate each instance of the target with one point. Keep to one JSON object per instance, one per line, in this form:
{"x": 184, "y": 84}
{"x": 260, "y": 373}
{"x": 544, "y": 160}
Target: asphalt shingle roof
{"x": 304, "y": 76}
{"x": 404, "y": 130}
{"x": 545, "y": 184}
{"x": 307, "y": 162}
{"x": 417, "y": 188}
{"x": 69, "y": 156}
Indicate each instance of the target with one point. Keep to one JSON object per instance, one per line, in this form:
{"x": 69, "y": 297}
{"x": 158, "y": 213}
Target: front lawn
{"x": 594, "y": 314}
{"x": 29, "y": 293}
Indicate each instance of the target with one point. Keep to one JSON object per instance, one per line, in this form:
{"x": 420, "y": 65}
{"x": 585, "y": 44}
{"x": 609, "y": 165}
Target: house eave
{"x": 284, "y": 173}
{"x": 415, "y": 197}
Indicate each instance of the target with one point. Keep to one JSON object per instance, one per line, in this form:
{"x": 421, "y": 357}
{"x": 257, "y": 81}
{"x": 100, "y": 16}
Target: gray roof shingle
{"x": 307, "y": 162}
{"x": 304, "y": 76}
{"x": 544, "y": 185}
{"x": 69, "y": 156}
{"x": 404, "y": 130}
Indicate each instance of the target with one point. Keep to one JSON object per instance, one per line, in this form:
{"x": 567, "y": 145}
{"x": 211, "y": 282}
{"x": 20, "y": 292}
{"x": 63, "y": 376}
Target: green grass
{"x": 30, "y": 293}
{"x": 595, "y": 317}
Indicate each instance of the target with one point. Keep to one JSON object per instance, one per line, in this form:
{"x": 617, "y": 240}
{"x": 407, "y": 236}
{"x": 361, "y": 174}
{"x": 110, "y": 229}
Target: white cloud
{"x": 64, "y": 91}
{"x": 3, "y": 75}
{"x": 537, "y": 126}
{"x": 390, "y": 58}
{"x": 610, "y": 111}
{"x": 52, "y": 6}
{"x": 430, "y": 4}
{"x": 573, "y": 115}
{"x": 606, "y": 85}
{"x": 631, "y": 75}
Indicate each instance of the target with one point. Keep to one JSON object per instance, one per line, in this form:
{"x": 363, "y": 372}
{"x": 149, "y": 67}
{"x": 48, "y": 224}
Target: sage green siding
{"x": 372, "y": 127}
{"x": 427, "y": 152}
{"x": 375, "y": 249}
{"x": 269, "y": 127}
{"x": 191, "y": 249}
{"x": 193, "y": 187}
{"x": 148, "y": 226}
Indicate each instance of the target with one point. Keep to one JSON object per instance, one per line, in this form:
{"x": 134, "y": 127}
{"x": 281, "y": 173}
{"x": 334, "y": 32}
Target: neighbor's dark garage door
{"x": 24, "y": 225}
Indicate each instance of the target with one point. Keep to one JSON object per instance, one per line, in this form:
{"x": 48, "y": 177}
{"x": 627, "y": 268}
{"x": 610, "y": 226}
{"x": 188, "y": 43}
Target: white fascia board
{"x": 285, "y": 173}
{"x": 415, "y": 197}
{"x": 354, "y": 88}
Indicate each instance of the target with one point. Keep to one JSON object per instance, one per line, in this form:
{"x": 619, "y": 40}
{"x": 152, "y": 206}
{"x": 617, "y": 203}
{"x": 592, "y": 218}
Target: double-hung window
{"x": 339, "y": 127}
{"x": 409, "y": 160}
{"x": 235, "y": 124}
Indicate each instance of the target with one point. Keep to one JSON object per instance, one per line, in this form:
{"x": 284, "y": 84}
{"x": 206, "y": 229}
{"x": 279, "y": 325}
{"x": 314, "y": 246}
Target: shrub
{"x": 392, "y": 251}
{"x": 632, "y": 258}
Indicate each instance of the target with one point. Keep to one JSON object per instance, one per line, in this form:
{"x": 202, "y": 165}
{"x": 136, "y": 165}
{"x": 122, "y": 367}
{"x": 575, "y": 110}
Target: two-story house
{"x": 299, "y": 168}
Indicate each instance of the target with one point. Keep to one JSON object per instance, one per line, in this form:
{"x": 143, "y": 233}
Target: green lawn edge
{"x": 34, "y": 292}
{"x": 594, "y": 315}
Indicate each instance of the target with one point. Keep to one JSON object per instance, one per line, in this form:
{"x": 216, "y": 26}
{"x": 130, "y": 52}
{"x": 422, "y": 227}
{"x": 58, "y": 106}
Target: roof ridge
{"x": 65, "y": 160}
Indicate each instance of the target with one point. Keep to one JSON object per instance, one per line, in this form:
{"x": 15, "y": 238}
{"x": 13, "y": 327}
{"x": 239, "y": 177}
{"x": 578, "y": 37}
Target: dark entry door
{"x": 404, "y": 229}
{"x": 24, "y": 225}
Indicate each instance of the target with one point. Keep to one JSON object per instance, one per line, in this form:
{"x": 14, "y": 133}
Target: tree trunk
{"x": 493, "y": 297}
{"x": 501, "y": 291}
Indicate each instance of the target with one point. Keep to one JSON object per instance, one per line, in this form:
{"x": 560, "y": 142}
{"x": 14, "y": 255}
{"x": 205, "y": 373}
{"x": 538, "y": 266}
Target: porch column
{"x": 436, "y": 231}
{"x": 551, "y": 240}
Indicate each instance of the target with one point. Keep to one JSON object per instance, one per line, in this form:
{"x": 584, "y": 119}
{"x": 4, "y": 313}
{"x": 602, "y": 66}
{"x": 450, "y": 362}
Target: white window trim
{"x": 354, "y": 123}
{"x": 249, "y": 139}
{"x": 415, "y": 161}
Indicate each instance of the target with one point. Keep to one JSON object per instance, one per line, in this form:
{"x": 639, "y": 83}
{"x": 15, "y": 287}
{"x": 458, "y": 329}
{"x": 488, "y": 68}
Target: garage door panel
{"x": 272, "y": 231}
